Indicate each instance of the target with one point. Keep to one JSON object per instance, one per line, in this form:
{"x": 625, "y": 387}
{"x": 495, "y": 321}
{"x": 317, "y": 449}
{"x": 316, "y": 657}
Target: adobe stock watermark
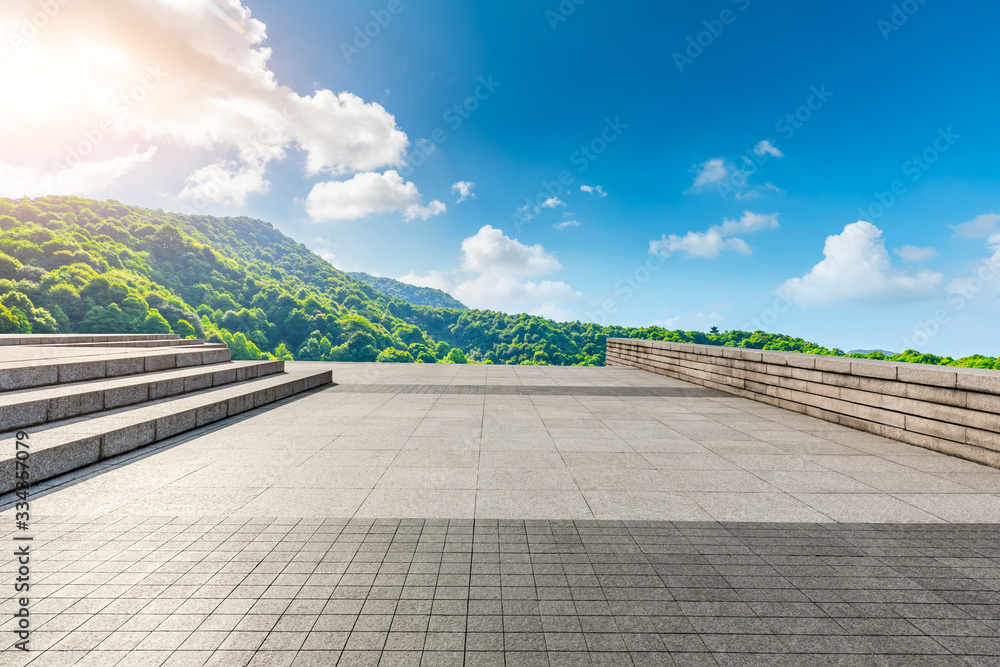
{"x": 364, "y": 34}
{"x": 454, "y": 117}
{"x": 258, "y": 153}
{"x": 914, "y": 169}
{"x": 626, "y": 288}
{"x": 794, "y": 121}
{"x": 787, "y": 127}
{"x": 697, "y": 44}
{"x": 32, "y": 25}
{"x": 581, "y": 158}
{"x": 961, "y": 293}
{"x": 562, "y": 12}
{"x": 121, "y": 109}
{"x": 900, "y": 16}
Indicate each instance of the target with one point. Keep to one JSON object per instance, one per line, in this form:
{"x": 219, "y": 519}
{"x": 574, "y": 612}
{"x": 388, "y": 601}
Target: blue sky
{"x": 834, "y": 106}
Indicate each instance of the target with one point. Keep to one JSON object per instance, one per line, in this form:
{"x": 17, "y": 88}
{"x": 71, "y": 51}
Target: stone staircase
{"x": 82, "y": 399}
{"x": 93, "y": 339}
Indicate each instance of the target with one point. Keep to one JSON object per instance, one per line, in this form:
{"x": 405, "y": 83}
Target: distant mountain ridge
{"x": 418, "y": 296}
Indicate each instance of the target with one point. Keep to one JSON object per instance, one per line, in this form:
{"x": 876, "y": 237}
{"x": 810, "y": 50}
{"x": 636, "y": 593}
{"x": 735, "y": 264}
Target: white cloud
{"x": 554, "y": 312}
{"x": 423, "y": 212}
{"x": 980, "y": 227}
{"x": 857, "y": 267}
{"x": 323, "y": 247}
{"x": 342, "y": 134}
{"x": 326, "y": 255}
{"x": 594, "y": 190}
{"x": 508, "y": 293}
{"x": 700, "y": 244}
{"x": 767, "y": 148}
{"x": 566, "y": 224}
{"x": 529, "y": 212}
{"x": 490, "y": 251}
{"x": 912, "y": 253}
{"x": 983, "y": 278}
{"x": 103, "y": 84}
{"x": 225, "y": 182}
{"x": 716, "y": 239}
{"x": 464, "y": 190}
{"x": 496, "y": 273}
{"x": 434, "y": 279}
{"x": 81, "y": 178}
{"x": 711, "y": 172}
{"x": 366, "y": 194}
{"x": 729, "y": 178}
{"x": 756, "y": 193}
{"x": 749, "y": 223}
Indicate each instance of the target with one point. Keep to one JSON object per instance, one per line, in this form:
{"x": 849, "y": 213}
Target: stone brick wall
{"x": 951, "y": 410}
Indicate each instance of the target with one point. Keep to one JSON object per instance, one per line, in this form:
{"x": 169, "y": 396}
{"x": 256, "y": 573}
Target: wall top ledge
{"x": 971, "y": 379}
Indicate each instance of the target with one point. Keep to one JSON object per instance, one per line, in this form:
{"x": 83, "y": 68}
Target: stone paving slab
{"x": 237, "y": 591}
{"x": 540, "y": 455}
{"x": 532, "y": 390}
{"x": 589, "y": 516}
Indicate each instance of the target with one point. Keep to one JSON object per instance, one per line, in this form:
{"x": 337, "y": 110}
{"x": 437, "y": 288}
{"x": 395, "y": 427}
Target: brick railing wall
{"x": 951, "y": 410}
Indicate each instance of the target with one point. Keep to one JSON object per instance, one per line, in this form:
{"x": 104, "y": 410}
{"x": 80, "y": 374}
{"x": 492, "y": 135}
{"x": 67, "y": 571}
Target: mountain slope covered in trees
{"x": 75, "y": 265}
{"x": 418, "y": 296}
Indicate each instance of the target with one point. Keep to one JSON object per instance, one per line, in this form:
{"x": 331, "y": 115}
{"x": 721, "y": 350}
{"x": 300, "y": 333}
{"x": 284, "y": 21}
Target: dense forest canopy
{"x": 418, "y": 296}
{"x": 72, "y": 265}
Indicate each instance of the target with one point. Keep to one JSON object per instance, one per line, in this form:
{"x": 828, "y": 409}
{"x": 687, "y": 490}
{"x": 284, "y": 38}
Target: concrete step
{"x": 30, "y": 407}
{"x": 50, "y": 339}
{"x": 168, "y": 342}
{"x": 28, "y": 367}
{"x": 60, "y": 447}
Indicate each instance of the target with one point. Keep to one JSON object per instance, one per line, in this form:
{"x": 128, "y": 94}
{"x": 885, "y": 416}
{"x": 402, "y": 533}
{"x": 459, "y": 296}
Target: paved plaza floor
{"x": 486, "y": 515}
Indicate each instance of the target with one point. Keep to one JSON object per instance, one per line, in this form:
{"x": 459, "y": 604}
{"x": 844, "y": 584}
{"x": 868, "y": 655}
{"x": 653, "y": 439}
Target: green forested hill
{"x": 418, "y": 296}
{"x": 76, "y": 265}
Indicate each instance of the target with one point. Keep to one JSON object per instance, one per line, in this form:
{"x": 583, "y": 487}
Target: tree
{"x": 42, "y": 322}
{"x": 167, "y": 240}
{"x": 8, "y": 266}
{"x": 456, "y": 356}
{"x": 259, "y": 339}
{"x": 30, "y": 273}
{"x": 393, "y": 356}
{"x": 9, "y": 322}
{"x": 243, "y": 349}
{"x": 59, "y": 316}
{"x": 360, "y": 346}
{"x": 155, "y": 323}
{"x": 105, "y": 320}
{"x": 135, "y": 307}
{"x": 100, "y": 291}
{"x": 297, "y": 327}
{"x": 184, "y": 329}
{"x": 408, "y": 333}
{"x": 17, "y": 300}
